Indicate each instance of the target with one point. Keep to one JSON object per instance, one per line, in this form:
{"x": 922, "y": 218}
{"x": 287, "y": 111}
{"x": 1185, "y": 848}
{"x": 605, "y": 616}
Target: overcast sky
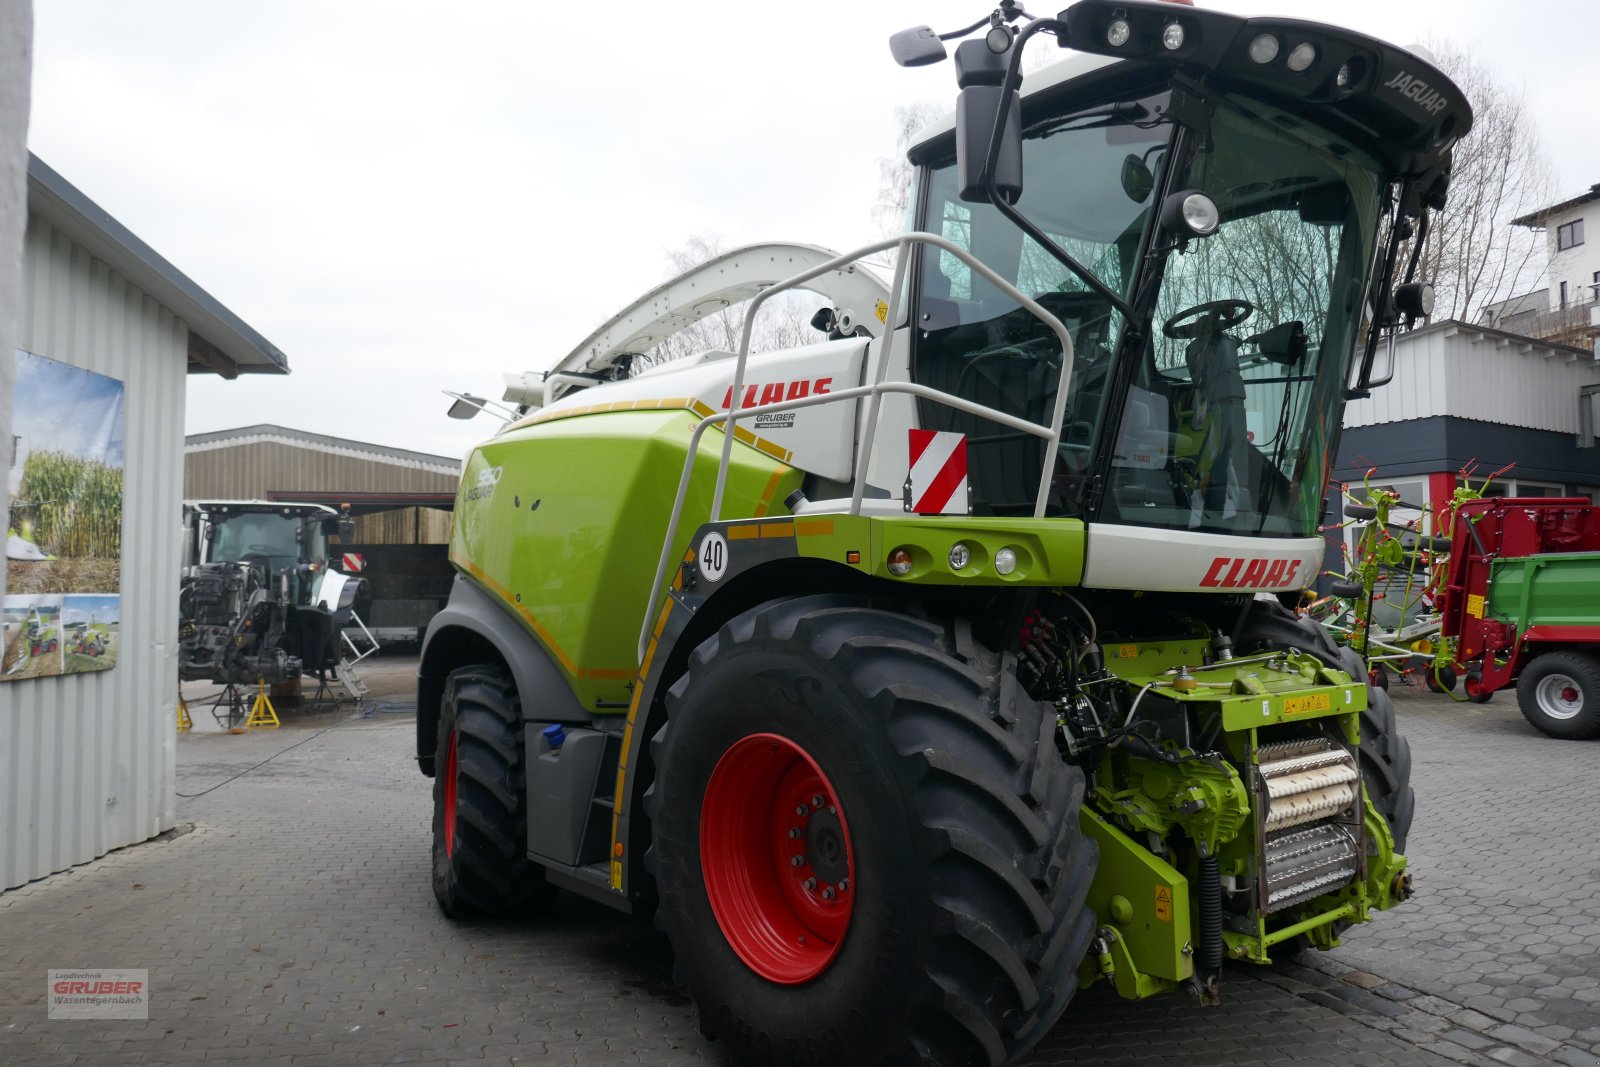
{"x": 410, "y": 197}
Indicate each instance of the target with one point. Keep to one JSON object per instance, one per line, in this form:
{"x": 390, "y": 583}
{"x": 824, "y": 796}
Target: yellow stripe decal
{"x": 766, "y": 494}
{"x": 814, "y": 528}
{"x": 544, "y": 636}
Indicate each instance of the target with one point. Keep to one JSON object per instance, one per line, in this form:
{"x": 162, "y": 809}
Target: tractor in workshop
{"x": 259, "y": 602}
{"x": 916, "y": 678}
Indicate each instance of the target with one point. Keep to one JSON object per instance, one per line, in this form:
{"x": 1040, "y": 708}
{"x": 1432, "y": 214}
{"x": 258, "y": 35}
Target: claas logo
{"x": 1257, "y": 572}
{"x": 772, "y": 392}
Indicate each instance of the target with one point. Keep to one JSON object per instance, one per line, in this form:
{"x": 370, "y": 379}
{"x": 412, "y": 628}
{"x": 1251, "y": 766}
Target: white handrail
{"x": 875, "y": 391}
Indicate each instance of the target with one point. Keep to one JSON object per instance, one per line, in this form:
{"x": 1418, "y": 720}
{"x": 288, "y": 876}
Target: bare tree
{"x": 1472, "y": 254}
{"x": 784, "y": 321}
{"x": 891, "y": 212}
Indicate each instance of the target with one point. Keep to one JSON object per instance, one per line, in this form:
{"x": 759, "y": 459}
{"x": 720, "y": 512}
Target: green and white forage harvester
{"x": 922, "y": 676}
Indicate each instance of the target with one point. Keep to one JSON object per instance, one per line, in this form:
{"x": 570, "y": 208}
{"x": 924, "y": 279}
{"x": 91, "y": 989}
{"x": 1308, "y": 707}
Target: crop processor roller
{"x": 1311, "y": 833}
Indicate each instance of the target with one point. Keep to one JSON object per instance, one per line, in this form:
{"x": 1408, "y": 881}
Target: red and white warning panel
{"x": 938, "y": 476}
{"x": 353, "y": 563}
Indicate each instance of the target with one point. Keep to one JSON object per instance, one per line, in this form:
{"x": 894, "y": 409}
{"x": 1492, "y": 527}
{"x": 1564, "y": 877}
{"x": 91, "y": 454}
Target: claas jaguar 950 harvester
{"x": 921, "y": 676}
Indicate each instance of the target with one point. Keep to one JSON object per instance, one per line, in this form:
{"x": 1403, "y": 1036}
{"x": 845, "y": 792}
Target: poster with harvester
{"x": 62, "y": 611}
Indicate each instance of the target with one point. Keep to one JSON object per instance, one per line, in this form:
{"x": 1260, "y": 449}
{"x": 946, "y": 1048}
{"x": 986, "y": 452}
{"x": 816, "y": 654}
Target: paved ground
{"x": 294, "y": 925}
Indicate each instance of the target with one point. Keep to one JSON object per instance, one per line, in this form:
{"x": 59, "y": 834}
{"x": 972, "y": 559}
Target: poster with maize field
{"x": 64, "y": 521}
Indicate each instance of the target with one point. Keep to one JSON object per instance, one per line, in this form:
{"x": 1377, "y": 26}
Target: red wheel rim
{"x": 1474, "y": 686}
{"x": 776, "y": 858}
{"x": 450, "y": 797}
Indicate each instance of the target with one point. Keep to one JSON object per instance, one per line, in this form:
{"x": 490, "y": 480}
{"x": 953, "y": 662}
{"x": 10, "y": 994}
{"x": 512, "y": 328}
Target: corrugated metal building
{"x": 87, "y": 761}
{"x": 1465, "y": 394}
{"x": 402, "y": 502}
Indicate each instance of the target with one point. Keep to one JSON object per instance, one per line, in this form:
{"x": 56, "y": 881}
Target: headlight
{"x": 1264, "y": 49}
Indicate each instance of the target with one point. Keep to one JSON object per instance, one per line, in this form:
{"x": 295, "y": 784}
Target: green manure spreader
{"x": 922, "y": 676}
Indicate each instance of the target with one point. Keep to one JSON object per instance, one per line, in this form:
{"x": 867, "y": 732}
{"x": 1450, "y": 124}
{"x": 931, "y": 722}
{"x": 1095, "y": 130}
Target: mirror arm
{"x": 1381, "y": 324}
{"x": 992, "y": 160}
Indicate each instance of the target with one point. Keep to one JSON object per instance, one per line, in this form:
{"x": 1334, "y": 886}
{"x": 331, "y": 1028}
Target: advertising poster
{"x": 62, "y": 611}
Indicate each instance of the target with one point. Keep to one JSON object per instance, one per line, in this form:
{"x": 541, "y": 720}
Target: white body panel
{"x": 820, "y": 439}
{"x": 1158, "y": 560}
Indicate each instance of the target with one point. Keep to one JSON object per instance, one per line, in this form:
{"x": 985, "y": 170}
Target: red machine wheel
{"x": 775, "y": 853}
{"x": 449, "y": 812}
{"x": 1475, "y": 690}
{"x": 1559, "y": 693}
{"x": 480, "y": 815}
{"x": 958, "y": 917}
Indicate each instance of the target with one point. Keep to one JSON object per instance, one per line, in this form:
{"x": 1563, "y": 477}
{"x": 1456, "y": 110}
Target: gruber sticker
{"x": 1235, "y": 572}
{"x": 713, "y": 557}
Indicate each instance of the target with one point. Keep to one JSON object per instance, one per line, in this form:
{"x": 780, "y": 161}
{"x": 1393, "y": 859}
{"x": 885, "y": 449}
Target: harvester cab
{"x": 258, "y": 599}
{"x": 951, "y": 648}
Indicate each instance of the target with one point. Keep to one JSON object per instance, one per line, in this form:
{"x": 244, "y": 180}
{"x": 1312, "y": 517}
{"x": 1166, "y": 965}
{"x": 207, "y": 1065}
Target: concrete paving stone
{"x": 1474, "y": 1020}
{"x": 1573, "y": 1057}
{"x": 299, "y": 909}
{"x": 1514, "y": 1057}
{"x": 1525, "y": 1039}
{"x": 1392, "y": 991}
{"x": 1451, "y": 1051}
{"x": 1467, "y": 1039}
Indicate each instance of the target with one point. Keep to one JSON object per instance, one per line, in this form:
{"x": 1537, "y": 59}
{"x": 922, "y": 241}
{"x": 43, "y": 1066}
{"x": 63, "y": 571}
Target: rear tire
{"x": 480, "y": 826}
{"x": 956, "y": 821}
{"x": 1560, "y": 694}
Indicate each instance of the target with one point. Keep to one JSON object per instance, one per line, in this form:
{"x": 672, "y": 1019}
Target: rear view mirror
{"x": 1285, "y": 343}
{"x": 1137, "y": 181}
{"x": 916, "y": 47}
{"x": 981, "y": 74}
{"x": 1324, "y": 205}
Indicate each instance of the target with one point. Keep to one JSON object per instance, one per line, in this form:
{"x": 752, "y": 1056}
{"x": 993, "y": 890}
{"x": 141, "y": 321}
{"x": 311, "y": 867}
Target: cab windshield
{"x": 267, "y": 537}
{"x": 1227, "y": 417}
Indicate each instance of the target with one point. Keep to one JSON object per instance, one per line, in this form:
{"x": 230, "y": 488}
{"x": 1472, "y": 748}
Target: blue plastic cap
{"x": 554, "y": 735}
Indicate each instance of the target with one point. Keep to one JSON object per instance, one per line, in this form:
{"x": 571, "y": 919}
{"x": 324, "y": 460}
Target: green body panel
{"x": 1049, "y": 552}
{"x": 1560, "y": 589}
{"x": 1251, "y": 694}
{"x": 563, "y": 521}
{"x": 1145, "y": 902}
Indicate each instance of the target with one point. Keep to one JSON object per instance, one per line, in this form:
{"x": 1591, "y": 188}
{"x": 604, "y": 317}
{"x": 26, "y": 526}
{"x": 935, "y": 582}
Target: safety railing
{"x": 873, "y": 392}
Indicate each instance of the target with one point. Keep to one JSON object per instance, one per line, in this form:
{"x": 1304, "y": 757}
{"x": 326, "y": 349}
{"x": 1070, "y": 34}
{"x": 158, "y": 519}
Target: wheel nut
{"x": 816, "y": 801}
{"x": 797, "y": 861}
{"x": 802, "y": 811}
{"x": 810, "y": 883}
{"x": 827, "y": 894}
{"x": 794, "y": 833}
{"x": 844, "y": 885}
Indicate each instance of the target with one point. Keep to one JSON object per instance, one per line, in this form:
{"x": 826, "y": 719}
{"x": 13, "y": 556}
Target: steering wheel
{"x": 1224, "y": 314}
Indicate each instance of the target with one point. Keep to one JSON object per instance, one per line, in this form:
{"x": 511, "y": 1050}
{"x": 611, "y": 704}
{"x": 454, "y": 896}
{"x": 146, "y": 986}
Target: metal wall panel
{"x": 1458, "y": 370}
{"x": 87, "y": 760}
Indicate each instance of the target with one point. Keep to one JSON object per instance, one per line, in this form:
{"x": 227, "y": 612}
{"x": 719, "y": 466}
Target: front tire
{"x": 817, "y": 742}
{"x": 1560, "y": 694}
{"x": 480, "y": 826}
